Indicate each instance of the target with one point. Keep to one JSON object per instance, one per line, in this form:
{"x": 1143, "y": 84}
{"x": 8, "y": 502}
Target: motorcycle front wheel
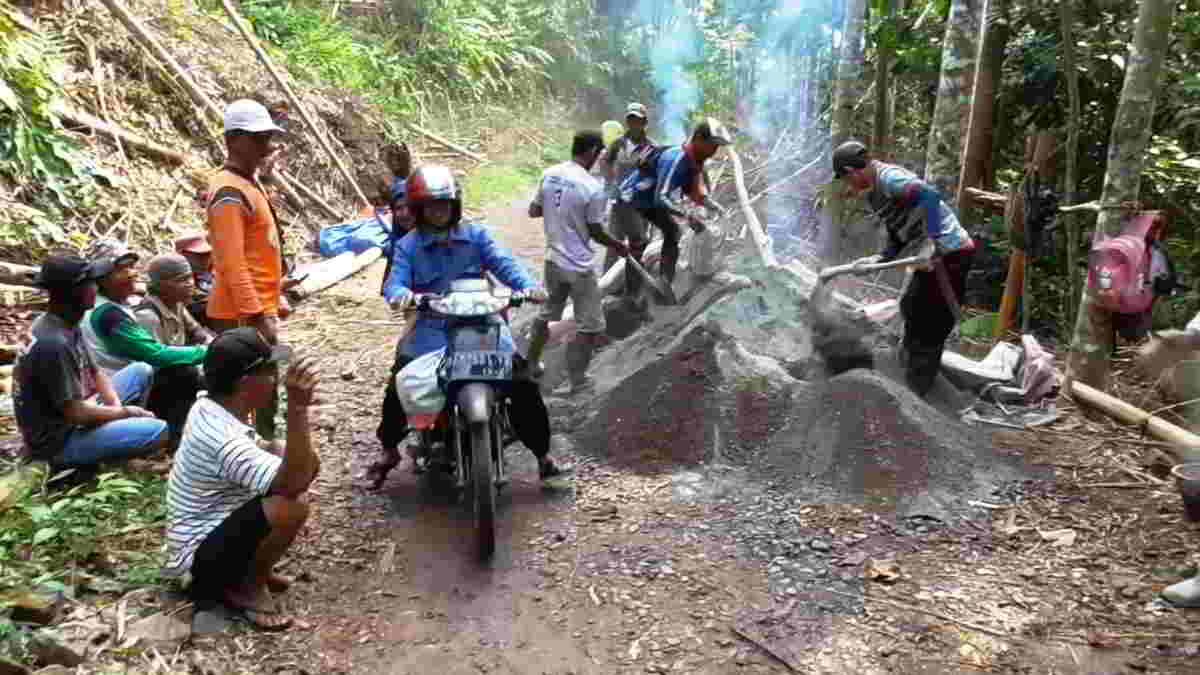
{"x": 484, "y": 487}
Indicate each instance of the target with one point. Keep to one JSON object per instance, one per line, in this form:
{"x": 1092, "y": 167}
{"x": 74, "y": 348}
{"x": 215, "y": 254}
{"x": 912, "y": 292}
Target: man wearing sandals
{"x": 234, "y": 508}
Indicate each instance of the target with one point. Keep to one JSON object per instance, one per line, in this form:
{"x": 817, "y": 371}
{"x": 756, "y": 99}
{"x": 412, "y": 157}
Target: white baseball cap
{"x": 247, "y": 115}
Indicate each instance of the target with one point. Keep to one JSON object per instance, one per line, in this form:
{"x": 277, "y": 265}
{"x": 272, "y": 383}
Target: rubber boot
{"x": 579, "y": 357}
{"x": 633, "y": 283}
{"x": 667, "y": 263}
{"x": 1183, "y": 594}
{"x": 537, "y": 344}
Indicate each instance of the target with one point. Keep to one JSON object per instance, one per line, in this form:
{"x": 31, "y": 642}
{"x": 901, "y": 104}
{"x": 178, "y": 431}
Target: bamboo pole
{"x": 240, "y": 24}
{"x": 757, "y": 233}
{"x": 291, "y": 187}
{"x": 143, "y": 36}
{"x": 445, "y": 143}
{"x": 111, "y": 130}
{"x": 1185, "y": 446}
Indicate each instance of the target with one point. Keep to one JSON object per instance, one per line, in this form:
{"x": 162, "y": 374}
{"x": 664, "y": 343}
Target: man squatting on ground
{"x": 439, "y": 250}
{"x": 571, "y": 203}
{"x": 234, "y": 507}
{"x": 676, "y": 185}
{"x": 914, "y": 216}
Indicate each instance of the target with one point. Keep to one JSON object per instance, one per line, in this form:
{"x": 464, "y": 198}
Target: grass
{"x": 498, "y": 184}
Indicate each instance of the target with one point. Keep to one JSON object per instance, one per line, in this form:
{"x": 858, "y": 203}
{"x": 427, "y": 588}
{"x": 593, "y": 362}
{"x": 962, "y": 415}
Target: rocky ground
{"x": 710, "y": 528}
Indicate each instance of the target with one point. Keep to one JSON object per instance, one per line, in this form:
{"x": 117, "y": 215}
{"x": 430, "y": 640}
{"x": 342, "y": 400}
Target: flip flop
{"x": 257, "y": 616}
{"x": 378, "y": 472}
{"x": 279, "y": 583}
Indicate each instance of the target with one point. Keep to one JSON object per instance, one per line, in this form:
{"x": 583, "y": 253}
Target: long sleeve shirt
{"x": 424, "y": 263}
{"x": 911, "y": 210}
{"x": 117, "y": 339}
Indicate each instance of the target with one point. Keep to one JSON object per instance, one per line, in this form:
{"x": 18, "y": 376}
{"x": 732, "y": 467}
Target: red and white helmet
{"x": 430, "y": 184}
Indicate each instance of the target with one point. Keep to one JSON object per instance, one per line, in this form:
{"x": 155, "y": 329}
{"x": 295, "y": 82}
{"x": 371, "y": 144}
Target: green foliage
{"x": 34, "y": 153}
{"x": 45, "y": 536}
{"x": 462, "y": 50}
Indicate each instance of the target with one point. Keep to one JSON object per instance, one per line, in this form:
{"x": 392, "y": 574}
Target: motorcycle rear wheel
{"x": 484, "y": 487}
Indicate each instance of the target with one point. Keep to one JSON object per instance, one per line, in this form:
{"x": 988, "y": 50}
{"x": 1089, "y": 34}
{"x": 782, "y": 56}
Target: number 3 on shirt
{"x": 558, "y": 193}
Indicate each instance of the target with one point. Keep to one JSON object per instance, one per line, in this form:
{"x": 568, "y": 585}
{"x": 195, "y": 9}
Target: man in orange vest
{"x": 247, "y": 250}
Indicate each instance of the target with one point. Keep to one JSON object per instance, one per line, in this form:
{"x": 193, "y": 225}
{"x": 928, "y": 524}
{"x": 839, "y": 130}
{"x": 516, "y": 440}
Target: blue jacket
{"x": 675, "y": 171}
{"x": 423, "y": 264}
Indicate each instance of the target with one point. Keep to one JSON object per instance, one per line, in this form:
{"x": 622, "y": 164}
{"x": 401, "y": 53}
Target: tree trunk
{"x": 850, "y": 71}
{"x": 1092, "y": 343}
{"x": 847, "y": 94}
{"x": 960, "y": 48}
{"x": 983, "y": 105}
{"x": 885, "y": 51}
{"x": 1066, "y": 10}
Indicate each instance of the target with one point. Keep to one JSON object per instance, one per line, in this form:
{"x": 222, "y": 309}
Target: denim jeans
{"x": 121, "y": 439}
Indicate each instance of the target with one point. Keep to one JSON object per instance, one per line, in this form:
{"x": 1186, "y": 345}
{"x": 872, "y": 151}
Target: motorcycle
{"x": 465, "y": 441}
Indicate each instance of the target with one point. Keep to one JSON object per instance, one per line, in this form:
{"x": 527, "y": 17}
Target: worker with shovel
{"x": 670, "y": 182}
{"x": 914, "y": 216}
{"x": 571, "y": 204}
{"x": 618, "y": 162}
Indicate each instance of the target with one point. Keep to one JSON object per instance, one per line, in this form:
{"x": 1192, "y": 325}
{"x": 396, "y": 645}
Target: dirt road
{"x": 687, "y": 565}
{"x": 588, "y": 578}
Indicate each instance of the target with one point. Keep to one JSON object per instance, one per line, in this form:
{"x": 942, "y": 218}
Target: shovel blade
{"x": 663, "y": 293}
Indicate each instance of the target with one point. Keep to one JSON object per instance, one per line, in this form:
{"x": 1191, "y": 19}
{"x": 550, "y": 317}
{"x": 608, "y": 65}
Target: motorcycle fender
{"x": 475, "y": 402}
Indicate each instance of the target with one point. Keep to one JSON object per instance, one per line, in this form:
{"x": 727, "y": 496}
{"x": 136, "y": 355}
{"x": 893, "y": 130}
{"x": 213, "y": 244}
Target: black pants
{"x": 172, "y": 395}
{"x": 928, "y": 319}
{"x": 665, "y": 222}
{"x": 222, "y": 561}
{"x": 527, "y": 412}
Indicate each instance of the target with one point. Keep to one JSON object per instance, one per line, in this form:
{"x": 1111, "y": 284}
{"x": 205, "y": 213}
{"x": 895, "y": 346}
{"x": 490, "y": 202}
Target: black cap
{"x": 847, "y": 156}
{"x": 238, "y": 352}
{"x": 68, "y": 271}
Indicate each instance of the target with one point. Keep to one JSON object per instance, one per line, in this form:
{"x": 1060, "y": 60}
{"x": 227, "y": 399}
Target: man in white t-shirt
{"x": 571, "y": 202}
{"x": 233, "y": 506}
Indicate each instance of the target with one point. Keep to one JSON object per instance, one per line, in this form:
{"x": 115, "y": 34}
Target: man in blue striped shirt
{"x": 234, "y": 506}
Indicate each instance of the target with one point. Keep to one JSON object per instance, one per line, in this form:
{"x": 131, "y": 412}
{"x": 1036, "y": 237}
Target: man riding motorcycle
{"x": 439, "y": 250}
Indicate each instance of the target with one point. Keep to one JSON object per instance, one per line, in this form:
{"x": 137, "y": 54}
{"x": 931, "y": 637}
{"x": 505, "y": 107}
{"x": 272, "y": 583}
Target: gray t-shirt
{"x": 570, "y": 199}
{"x": 56, "y": 368}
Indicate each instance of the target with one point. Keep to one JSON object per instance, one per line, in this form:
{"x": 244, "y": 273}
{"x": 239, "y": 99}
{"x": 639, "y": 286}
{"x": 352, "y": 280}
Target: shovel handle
{"x": 851, "y": 268}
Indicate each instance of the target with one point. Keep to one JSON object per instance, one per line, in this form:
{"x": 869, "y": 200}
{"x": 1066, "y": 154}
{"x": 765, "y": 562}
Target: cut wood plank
{"x": 329, "y": 272}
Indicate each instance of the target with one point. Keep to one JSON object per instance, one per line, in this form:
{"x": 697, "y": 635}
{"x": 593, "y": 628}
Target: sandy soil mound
{"x": 737, "y": 374}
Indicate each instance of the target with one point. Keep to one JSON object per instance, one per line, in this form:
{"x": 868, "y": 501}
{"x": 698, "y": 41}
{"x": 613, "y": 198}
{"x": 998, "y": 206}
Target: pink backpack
{"x": 1120, "y": 269}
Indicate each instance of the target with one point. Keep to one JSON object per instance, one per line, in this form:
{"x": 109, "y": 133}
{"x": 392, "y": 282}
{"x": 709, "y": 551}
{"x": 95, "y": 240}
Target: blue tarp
{"x": 356, "y": 235}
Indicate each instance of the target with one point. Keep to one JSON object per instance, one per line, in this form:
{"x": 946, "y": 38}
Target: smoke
{"x": 677, "y": 44}
{"x": 774, "y": 76}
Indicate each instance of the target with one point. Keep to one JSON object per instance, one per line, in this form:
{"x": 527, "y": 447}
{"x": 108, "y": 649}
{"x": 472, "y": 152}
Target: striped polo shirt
{"x": 218, "y": 468}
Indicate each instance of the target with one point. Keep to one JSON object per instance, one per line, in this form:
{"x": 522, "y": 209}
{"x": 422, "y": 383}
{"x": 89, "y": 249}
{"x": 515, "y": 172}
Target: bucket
{"x": 1187, "y": 479}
